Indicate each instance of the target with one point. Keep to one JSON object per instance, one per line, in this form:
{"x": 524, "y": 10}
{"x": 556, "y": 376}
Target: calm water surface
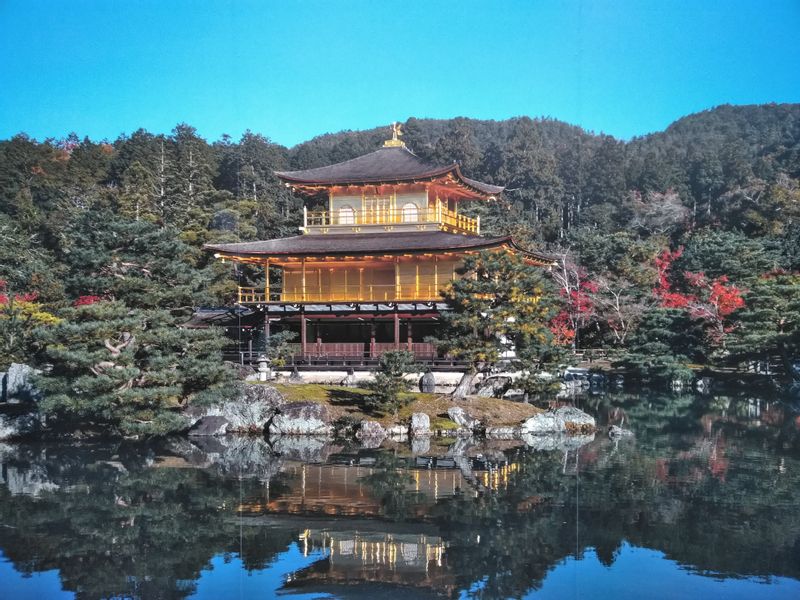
{"x": 703, "y": 503}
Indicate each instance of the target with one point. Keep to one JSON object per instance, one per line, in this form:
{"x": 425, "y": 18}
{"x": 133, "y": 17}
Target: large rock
{"x": 494, "y": 386}
{"x": 566, "y": 419}
{"x": 215, "y": 425}
{"x": 16, "y": 384}
{"x": 397, "y": 431}
{"x": 420, "y": 425}
{"x": 463, "y": 419}
{"x": 249, "y": 413}
{"x": 427, "y": 383}
{"x": 12, "y": 427}
{"x": 371, "y": 431}
{"x": 301, "y": 418}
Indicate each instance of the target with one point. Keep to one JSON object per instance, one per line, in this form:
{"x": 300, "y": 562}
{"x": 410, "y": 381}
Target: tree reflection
{"x": 116, "y": 528}
{"x": 709, "y": 483}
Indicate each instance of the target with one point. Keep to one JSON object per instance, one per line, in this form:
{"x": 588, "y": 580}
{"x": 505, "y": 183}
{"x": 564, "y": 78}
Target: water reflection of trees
{"x": 115, "y": 528}
{"x": 714, "y": 490}
{"x": 716, "y": 499}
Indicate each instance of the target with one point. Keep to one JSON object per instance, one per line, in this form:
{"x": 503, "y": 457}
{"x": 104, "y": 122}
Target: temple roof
{"x": 390, "y": 164}
{"x": 352, "y": 244}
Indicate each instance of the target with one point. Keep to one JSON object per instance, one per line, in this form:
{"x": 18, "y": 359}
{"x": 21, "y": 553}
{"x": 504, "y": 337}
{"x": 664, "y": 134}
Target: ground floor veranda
{"x": 351, "y": 335}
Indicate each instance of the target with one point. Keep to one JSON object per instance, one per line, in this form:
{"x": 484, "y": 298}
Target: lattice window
{"x": 377, "y": 209}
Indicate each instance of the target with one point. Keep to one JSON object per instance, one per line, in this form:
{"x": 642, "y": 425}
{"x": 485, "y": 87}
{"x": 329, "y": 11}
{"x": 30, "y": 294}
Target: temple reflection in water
{"x": 344, "y": 489}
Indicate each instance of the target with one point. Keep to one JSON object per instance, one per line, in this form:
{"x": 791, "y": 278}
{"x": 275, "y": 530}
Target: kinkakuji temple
{"x": 364, "y": 275}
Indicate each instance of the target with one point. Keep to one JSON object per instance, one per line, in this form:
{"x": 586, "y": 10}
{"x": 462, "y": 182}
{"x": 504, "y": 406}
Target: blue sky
{"x": 292, "y": 70}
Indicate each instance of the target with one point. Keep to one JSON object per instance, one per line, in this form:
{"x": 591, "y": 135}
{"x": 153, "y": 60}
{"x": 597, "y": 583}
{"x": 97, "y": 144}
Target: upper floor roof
{"x": 391, "y": 164}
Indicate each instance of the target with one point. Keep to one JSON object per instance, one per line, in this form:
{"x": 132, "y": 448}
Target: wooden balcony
{"x": 438, "y": 216}
{"x": 413, "y": 292}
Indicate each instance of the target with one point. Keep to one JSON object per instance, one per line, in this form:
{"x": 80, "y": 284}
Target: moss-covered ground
{"x": 350, "y": 402}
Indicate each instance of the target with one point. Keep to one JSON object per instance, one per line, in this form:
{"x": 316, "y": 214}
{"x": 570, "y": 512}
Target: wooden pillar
{"x": 303, "y": 280}
{"x": 396, "y": 330}
{"x": 397, "y": 278}
{"x": 303, "y": 332}
{"x": 266, "y": 281}
{"x": 410, "y": 336}
{"x": 372, "y": 338}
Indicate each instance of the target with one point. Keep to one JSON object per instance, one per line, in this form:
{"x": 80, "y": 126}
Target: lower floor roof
{"x": 320, "y": 245}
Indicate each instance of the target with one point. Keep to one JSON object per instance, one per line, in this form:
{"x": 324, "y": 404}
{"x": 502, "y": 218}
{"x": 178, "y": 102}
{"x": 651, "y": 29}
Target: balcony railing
{"x": 393, "y": 216}
{"x": 414, "y": 292}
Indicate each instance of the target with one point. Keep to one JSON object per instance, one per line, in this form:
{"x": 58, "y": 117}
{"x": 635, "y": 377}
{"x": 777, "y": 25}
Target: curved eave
{"x": 535, "y": 258}
{"x": 478, "y": 187}
{"x": 242, "y": 254}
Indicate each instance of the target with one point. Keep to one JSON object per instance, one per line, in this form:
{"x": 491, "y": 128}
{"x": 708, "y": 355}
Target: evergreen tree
{"x": 769, "y": 324}
{"x": 134, "y": 261}
{"x": 725, "y": 253}
{"x": 665, "y": 343}
{"x": 117, "y": 369}
{"x": 390, "y": 384}
{"x": 500, "y": 303}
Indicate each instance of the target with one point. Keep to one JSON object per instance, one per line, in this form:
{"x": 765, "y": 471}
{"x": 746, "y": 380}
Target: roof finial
{"x": 395, "y": 141}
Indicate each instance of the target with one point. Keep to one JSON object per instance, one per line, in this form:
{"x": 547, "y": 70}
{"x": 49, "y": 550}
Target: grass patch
{"x": 345, "y": 401}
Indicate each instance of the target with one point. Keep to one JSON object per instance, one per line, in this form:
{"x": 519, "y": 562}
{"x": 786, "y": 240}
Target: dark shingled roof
{"x": 350, "y": 244}
{"x": 385, "y": 165}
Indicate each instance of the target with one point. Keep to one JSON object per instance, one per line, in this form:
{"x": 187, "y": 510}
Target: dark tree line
{"x": 717, "y": 192}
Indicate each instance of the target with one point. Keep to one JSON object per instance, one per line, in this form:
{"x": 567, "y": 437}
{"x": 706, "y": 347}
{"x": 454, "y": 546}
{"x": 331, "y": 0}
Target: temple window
{"x": 410, "y": 213}
{"x": 377, "y": 209}
{"x": 347, "y": 215}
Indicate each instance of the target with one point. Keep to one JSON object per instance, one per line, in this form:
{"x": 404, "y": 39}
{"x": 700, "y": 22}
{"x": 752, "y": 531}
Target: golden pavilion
{"x": 365, "y": 272}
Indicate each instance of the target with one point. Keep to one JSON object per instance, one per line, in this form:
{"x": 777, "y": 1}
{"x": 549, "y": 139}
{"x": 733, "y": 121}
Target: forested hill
{"x": 678, "y": 247}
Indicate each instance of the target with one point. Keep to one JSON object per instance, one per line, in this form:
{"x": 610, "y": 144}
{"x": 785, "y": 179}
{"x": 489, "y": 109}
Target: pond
{"x": 704, "y": 501}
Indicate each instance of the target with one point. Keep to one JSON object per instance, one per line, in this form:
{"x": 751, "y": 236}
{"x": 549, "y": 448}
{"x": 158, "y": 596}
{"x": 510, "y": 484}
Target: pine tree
{"x": 665, "y": 343}
{"x": 498, "y": 304}
{"x": 134, "y": 261}
{"x": 117, "y": 369}
{"x": 390, "y": 383}
{"x": 769, "y": 324}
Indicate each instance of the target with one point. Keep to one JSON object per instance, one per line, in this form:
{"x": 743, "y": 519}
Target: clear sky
{"x": 295, "y": 69}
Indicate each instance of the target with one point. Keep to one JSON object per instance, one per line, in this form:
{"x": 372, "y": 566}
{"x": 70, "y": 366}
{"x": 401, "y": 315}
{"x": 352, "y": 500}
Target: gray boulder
{"x": 249, "y": 413}
{"x": 400, "y": 431}
{"x": 566, "y": 419}
{"x": 16, "y": 384}
{"x": 427, "y": 383}
{"x": 420, "y": 425}
{"x": 463, "y": 419}
{"x": 215, "y": 425}
{"x": 494, "y": 386}
{"x": 304, "y": 448}
{"x": 301, "y": 418}
{"x": 371, "y": 430}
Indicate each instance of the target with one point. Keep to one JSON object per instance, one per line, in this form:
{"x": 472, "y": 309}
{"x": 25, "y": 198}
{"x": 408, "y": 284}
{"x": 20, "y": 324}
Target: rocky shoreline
{"x": 262, "y": 409}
